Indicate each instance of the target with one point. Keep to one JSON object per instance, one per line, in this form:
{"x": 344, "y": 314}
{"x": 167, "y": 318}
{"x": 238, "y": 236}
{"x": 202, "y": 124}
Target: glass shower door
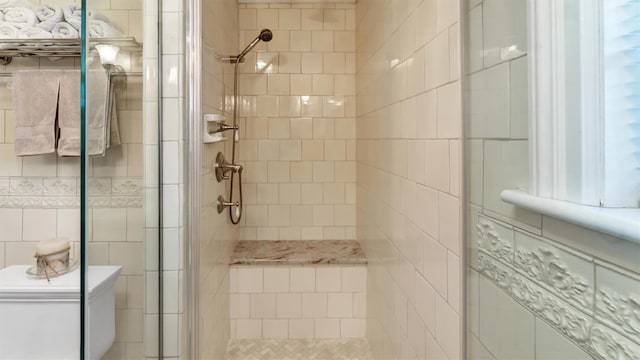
{"x": 120, "y": 181}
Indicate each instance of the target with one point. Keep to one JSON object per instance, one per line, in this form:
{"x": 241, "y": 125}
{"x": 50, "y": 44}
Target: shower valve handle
{"x": 222, "y": 168}
{"x": 223, "y": 204}
{"x": 225, "y": 127}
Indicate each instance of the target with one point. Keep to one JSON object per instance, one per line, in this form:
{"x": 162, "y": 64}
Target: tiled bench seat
{"x": 298, "y": 290}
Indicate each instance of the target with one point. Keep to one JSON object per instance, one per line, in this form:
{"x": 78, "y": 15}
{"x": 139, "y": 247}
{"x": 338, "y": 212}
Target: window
{"x": 584, "y": 114}
{"x": 585, "y": 101}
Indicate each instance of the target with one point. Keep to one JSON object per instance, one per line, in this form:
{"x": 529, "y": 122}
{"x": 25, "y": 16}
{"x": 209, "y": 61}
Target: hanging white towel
{"x": 35, "y": 100}
{"x": 69, "y": 113}
{"x": 101, "y": 113}
{"x": 102, "y": 121}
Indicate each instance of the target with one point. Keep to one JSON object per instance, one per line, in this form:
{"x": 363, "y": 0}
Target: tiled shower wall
{"x": 217, "y": 235}
{"x": 298, "y": 122}
{"x": 298, "y": 302}
{"x": 39, "y": 195}
{"x": 539, "y": 288}
{"x": 408, "y": 175}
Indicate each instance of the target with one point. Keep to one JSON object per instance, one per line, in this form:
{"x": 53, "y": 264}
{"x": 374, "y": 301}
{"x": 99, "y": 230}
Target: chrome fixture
{"x": 265, "y": 35}
{"x": 223, "y": 204}
{"x": 222, "y": 167}
{"x": 213, "y": 125}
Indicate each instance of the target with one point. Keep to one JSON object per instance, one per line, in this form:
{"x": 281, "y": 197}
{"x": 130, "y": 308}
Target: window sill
{"x": 620, "y": 222}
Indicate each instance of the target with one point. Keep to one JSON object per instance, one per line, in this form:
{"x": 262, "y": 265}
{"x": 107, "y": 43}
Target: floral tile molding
{"x": 64, "y": 192}
{"x": 558, "y": 286}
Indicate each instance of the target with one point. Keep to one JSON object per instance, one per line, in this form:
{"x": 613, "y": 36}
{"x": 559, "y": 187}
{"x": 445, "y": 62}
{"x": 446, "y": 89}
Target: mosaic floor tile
{"x": 275, "y": 349}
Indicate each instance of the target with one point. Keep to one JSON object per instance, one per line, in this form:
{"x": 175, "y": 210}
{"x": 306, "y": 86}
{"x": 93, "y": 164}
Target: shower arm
{"x": 235, "y": 59}
{"x": 265, "y": 35}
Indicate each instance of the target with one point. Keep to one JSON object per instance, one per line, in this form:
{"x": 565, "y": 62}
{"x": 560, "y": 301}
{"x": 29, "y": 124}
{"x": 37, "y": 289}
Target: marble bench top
{"x": 298, "y": 252}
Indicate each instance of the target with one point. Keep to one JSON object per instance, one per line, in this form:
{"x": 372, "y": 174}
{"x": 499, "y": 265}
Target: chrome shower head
{"x": 265, "y": 35}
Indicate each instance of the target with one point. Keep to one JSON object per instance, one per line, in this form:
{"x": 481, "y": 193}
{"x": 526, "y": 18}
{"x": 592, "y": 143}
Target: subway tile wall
{"x": 216, "y": 233}
{"x": 298, "y": 122}
{"x": 408, "y": 175}
{"x": 39, "y": 195}
{"x": 298, "y": 302}
{"x": 511, "y": 317}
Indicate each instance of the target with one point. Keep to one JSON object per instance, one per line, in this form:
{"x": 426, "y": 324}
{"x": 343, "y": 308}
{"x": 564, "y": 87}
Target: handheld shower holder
{"x": 233, "y": 59}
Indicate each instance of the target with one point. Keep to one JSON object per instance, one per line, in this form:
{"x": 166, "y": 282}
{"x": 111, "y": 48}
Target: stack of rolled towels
{"x": 19, "y": 19}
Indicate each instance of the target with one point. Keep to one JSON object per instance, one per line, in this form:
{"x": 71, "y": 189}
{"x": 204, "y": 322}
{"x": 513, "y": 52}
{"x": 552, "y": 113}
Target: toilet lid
{"x": 15, "y": 284}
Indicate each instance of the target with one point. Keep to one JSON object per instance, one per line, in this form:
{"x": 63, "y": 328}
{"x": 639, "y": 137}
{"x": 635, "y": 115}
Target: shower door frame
{"x": 84, "y": 264}
{"x": 192, "y": 114}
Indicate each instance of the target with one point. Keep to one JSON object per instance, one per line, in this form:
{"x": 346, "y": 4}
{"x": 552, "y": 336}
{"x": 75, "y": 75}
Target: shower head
{"x": 265, "y": 35}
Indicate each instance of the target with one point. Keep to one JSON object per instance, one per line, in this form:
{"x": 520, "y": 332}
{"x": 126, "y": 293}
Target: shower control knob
{"x": 222, "y": 167}
{"x": 223, "y": 204}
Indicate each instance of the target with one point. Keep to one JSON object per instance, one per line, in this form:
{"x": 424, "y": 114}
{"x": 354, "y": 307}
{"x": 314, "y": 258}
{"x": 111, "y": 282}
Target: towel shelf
{"x": 10, "y": 48}
{"x": 115, "y": 74}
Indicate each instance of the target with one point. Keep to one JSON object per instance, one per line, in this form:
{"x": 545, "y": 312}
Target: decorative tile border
{"x": 489, "y": 239}
{"x": 545, "y": 266}
{"x": 542, "y": 282}
{"x": 606, "y": 344}
{"x": 620, "y": 311}
{"x": 64, "y": 192}
{"x": 617, "y": 301}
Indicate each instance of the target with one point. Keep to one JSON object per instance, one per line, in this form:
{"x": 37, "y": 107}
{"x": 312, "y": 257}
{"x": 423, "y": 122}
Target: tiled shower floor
{"x": 304, "y": 349}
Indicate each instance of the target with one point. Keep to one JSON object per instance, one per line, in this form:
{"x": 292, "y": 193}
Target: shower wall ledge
{"x": 296, "y": 1}
{"x": 620, "y": 222}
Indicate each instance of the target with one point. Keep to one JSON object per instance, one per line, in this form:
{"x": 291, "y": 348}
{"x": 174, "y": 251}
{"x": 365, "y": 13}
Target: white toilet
{"x": 41, "y": 320}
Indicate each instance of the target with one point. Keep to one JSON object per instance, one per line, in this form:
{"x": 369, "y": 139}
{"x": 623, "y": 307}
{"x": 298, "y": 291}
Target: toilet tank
{"x": 41, "y": 319}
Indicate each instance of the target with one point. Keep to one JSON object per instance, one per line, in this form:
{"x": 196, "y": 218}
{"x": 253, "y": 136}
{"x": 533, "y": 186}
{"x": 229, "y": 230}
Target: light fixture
{"x": 108, "y": 54}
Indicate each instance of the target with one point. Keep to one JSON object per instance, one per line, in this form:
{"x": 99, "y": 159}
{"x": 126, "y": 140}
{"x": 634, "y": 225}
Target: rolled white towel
{"x": 10, "y": 30}
{"x": 101, "y": 29}
{"x": 73, "y": 15}
{"x": 49, "y": 15}
{"x": 13, "y": 3}
{"x": 19, "y": 15}
{"x": 33, "y": 32}
{"x": 64, "y": 30}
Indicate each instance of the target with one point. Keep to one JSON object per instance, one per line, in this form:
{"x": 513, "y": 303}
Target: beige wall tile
{"x": 408, "y": 116}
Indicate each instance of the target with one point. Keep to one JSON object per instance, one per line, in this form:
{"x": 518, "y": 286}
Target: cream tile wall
{"x": 537, "y": 286}
{"x": 298, "y": 302}
{"x": 408, "y": 176}
{"x": 174, "y": 229}
{"x": 216, "y": 233}
{"x": 39, "y": 195}
{"x": 298, "y": 122}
